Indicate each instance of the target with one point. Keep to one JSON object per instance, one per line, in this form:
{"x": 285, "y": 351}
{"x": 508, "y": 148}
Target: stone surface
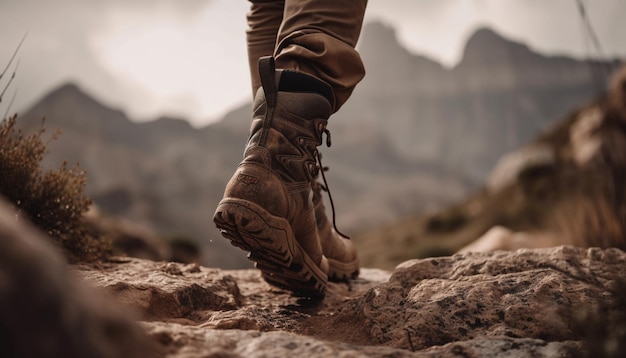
{"x": 47, "y": 312}
{"x": 502, "y": 238}
{"x": 524, "y": 294}
{"x": 199, "y": 341}
{"x": 512, "y": 164}
{"x": 558, "y": 302}
{"x": 224, "y": 299}
{"x": 526, "y": 303}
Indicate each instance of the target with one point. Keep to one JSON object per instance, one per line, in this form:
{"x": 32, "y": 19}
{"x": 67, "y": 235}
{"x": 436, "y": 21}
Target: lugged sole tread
{"x": 271, "y": 245}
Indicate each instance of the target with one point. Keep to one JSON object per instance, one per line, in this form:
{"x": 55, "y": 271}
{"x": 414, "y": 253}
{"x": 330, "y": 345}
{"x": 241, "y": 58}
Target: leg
{"x": 309, "y": 36}
{"x": 318, "y": 37}
{"x": 264, "y": 20}
{"x": 267, "y": 207}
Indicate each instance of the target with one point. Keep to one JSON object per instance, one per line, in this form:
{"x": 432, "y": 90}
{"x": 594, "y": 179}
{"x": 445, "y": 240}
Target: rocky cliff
{"x": 565, "y": 187}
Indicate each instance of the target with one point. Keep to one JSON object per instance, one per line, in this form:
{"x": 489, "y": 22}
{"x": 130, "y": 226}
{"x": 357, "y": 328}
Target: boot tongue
{"x": 291, "y": 81}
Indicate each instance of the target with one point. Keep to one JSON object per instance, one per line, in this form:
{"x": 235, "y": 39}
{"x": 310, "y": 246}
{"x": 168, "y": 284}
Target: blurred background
{"x": 153, "y": 101}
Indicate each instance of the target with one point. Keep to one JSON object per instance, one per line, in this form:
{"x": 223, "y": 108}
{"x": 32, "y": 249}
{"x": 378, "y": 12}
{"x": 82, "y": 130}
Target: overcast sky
{"x": 187, "y": 58}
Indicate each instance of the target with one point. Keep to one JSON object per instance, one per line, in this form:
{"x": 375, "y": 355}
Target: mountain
{"x": 414, "y": 136}
{"x": 436, "y": 132}
{"x": 163, "y": 174}
{"x": 499, "y": 96}
{"x": 565, "y": 187}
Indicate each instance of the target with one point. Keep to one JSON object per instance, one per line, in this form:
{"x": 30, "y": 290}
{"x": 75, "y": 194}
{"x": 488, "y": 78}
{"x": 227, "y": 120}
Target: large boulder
{"x": 47, "y": 312}
{"x": 537, "y": 294}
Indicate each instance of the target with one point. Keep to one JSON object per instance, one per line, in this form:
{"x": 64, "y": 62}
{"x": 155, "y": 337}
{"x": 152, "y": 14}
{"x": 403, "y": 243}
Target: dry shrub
{"x": 53, "y": 200}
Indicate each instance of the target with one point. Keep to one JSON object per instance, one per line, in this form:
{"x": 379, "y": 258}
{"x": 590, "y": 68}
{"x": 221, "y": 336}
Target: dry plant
{"x": 53, "y": 200}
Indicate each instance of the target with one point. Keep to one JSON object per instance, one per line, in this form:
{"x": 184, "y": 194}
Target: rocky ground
{"x": 528, "y": 303}
{"x": 557, "y": 302}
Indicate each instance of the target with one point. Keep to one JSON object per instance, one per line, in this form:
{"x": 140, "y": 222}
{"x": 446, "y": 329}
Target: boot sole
{"x": 271, "y": 245}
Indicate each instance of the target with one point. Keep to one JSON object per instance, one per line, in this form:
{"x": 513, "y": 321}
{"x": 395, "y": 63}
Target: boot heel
{"x": 271, "y": 245}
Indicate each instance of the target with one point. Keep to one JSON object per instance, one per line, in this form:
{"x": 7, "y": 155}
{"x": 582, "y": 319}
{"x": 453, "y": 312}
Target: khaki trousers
{"x": 316, "y": 37}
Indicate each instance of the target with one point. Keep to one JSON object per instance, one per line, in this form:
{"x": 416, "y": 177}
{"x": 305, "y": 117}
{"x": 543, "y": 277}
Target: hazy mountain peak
{"x": 166, "y": 128}
{"x": 381, "y": 38}
{"x": 170, "y": 122}
{"x": 381, "y": 29}
{"x": 484, "y": 38}
{"x": 485, "y": 35}
{"x": 487, "y": 46}
{"x": 69, "y": 90}
{"x": 68, "y": 87}
{"x": 387, "y": 61}
{"x": 78, "y": 101}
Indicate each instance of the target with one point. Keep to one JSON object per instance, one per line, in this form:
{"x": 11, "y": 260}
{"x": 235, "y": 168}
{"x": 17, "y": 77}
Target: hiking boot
{"x": 267, "y": 207}
{"x": 339, "y": 250}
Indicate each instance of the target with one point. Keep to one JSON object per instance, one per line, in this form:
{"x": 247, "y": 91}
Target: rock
{"x": 506, "y": 347}
{"x": 511, "y": 165}
{"x": 502, "y": 238}
{"x": 127, "y": 238}
{"x": 617, "y": 90}
{"x": 191, "y": 341}
{"x": 584, "y": 140}
{"x": 525, "y": 303}
{"x": 47, "y": 312}
{"x": 525, "y": 294}
{"x": 225, "y": 299}
{"x": 158, "y": 291}
{"x": 564, "y": 188}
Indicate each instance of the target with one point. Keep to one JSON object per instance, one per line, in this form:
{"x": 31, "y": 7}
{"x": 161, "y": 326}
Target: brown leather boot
{"x": 267, "y": 207}
{"x": 342, "y": 257}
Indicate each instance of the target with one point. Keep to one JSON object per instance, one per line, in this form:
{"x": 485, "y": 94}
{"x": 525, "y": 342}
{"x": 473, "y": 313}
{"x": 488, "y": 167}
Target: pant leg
{"x": 264, "y": 20}
{"x": 318, "y": 37}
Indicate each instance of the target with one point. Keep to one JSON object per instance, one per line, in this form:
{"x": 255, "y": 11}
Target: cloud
{"x": 188, "y": 57}
{"x": 146, "y": 57}
{"x": 178, "y": 64}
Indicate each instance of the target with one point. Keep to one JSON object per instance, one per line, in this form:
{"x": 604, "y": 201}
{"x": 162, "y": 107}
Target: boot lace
{"x": 320, "y": 168}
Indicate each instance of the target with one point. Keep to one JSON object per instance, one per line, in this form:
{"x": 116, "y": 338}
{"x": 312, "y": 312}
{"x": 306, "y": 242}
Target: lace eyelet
{"x": 313, "y": 169}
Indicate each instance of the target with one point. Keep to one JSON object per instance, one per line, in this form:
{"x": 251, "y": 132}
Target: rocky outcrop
{"x": 566, "y": 187}
{"x": 559, "y": 302}
{"x": 189, "y": 341}
{"x": 571, "y": 180}
{"x": 527, "y": 303}
{"x": 523, "y": 294}
{"x": 47, "y": 312}
{"x": 191, "y": 294}
{"x": 128, "y": 238}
